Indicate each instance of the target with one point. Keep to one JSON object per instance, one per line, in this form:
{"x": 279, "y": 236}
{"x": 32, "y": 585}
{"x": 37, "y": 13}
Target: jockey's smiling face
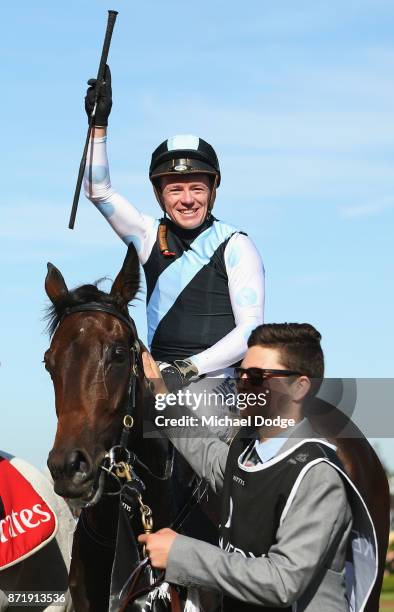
{"x": 186, "y": 198}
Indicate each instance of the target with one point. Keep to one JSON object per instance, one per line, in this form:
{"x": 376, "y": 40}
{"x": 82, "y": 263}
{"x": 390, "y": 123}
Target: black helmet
{"x": 184, "y": 154}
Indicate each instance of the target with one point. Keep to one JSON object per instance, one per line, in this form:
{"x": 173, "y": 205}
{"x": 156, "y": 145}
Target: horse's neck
{"x": 152, "y": 451}
{"x": 101, "y": 520}
{"x": 156, "y": 453}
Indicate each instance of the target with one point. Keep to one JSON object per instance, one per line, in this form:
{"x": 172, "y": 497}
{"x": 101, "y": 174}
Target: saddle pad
{"x": 27, "y": 523}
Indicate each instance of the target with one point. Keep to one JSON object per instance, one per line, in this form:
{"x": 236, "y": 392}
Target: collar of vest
{"x": 281, "y": 455}
{"x": 189, "y": 234}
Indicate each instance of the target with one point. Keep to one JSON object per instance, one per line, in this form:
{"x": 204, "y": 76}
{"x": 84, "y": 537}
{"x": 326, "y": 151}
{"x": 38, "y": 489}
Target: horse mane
{"x": 77, "y": 297}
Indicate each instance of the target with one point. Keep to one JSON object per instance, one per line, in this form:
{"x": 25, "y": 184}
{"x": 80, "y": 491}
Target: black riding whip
{"x": 100, "y": 77}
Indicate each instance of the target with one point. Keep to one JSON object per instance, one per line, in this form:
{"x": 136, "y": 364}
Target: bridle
{"x": 119, "y": 461}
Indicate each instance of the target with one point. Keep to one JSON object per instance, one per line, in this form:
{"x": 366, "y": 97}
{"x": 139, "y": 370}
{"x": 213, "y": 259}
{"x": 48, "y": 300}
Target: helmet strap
{"x": 212, "y": 196}
{"x": 158, "y": 197}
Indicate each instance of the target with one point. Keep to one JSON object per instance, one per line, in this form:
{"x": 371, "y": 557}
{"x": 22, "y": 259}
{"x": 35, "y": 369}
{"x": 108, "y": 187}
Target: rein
{"x": 120, "y": 454}
{"x": 119, "y": 461}
{"x": 135, "y": 358}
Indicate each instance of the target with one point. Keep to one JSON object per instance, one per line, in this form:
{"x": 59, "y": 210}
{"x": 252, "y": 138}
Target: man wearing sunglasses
{"x": 287, "y": 509}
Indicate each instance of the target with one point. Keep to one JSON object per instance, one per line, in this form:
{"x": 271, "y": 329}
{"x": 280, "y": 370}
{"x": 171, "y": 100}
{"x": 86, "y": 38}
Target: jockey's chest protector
{"x": 187, "y": 295}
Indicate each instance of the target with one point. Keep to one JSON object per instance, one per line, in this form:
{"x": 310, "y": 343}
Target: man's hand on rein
{"x": 157, "y": 546}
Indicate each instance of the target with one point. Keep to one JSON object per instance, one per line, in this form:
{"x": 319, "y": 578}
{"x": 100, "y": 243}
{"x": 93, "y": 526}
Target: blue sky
{"x": 297, "y": 99}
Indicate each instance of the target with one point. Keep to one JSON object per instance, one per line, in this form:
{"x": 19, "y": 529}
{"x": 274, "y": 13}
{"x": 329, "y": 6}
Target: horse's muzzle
{"x": 72, "y": 472}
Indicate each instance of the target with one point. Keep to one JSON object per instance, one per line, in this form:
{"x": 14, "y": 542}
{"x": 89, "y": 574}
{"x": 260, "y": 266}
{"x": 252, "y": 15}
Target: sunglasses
{"x": 258, "y": 375}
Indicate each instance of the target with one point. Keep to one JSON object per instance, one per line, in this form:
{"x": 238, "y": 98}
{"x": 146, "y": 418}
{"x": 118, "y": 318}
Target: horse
{"x": 92, "y": 352}
{"x": 95, "y": 365}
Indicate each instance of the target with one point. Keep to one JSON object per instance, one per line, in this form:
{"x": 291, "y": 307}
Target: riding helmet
{"x": 184, "y": 154}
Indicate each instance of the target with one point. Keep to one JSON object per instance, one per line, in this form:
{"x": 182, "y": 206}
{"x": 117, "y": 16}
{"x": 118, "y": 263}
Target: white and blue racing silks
{"x": 241, "y": 261}
{"x": 176, "y": 277}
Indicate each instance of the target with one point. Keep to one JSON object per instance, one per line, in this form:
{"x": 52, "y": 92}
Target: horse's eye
{"x": 119, "y": 354}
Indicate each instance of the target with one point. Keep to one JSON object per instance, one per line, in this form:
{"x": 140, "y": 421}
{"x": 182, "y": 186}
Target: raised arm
{"x": 130, "y": 224}
{"x": 245, "y": 272}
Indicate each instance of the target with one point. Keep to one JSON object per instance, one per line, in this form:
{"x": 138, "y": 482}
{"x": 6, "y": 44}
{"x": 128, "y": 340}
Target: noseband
{"x": 119, "y": 460}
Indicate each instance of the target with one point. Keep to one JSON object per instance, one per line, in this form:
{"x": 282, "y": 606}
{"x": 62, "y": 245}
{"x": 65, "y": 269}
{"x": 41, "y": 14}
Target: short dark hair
{"x": 299, "y": 345}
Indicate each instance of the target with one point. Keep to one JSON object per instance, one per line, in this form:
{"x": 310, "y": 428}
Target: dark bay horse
{"x": 92, "y": 359}
{"x": 90, "y": 362}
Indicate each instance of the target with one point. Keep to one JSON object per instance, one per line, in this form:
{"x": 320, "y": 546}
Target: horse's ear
{"x": 127, "y": 283}
{"x": 55, "y": 286}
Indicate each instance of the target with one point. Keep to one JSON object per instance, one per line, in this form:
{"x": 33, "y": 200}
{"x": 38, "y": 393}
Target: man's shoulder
{"x": 319, "y": 487}
{"x": 324, "y": 470}
{"x": 223, "y": 226}
{"x": 233, "y": 237}
{"x": 313, "y": 456}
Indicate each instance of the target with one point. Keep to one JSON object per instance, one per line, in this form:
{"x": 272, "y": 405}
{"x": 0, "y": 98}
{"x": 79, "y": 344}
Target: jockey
{"x": 204, "y": 277}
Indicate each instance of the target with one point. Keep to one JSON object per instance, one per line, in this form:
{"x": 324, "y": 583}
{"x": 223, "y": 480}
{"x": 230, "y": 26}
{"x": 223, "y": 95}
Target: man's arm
{"x": 130, "y": 224}
{"x": 206, "y": 455}
{"x": 245, "y": 272}
{"x": 318, "y": 519}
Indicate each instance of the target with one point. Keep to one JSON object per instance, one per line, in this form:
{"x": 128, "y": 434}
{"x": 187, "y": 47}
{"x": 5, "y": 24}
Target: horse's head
{"x": 90, "y": 361}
